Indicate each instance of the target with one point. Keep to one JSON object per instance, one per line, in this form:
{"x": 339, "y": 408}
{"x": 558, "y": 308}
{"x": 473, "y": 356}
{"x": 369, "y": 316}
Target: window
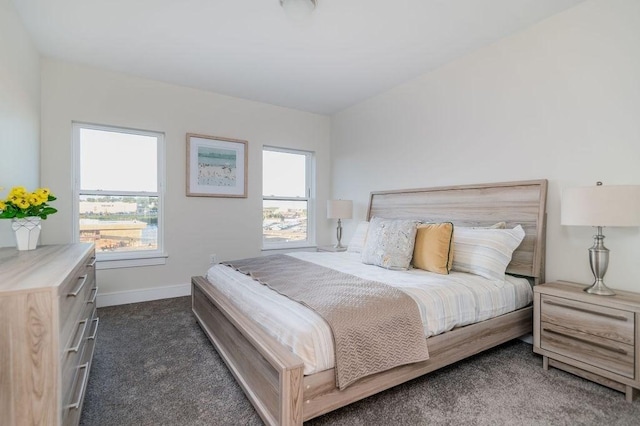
{"x": 287, "y": 198}
{"x": 118, "y": 184}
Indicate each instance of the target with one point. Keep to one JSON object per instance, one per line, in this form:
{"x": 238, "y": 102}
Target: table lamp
{"x": 600, "y": 206}
{"x": 339, "y": 209}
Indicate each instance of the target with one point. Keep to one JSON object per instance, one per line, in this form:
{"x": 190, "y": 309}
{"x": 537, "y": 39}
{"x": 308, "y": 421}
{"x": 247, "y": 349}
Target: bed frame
{"x": 272, "y": 376}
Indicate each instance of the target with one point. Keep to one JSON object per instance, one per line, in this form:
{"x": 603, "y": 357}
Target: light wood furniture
{"x": 332, "y": 249}
{"x": 48, "y": 326}
{"x": 594, "y": 337}
{"x": 272, "y": 376}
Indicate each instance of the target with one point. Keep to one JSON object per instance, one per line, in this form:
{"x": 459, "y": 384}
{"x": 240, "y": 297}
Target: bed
{"x": 272, "y": 376}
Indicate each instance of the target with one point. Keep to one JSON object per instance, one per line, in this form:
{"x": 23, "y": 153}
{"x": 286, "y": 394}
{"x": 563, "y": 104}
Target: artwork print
{"x": 216, "y": 167}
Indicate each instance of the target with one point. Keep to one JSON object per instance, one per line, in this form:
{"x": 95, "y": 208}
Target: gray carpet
{"x": 153, "y": 365}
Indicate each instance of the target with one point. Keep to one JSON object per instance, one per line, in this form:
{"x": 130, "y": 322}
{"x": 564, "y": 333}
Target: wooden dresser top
{"x": 42, "y": 268}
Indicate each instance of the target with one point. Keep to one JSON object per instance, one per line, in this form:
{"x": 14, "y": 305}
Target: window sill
{"x": 131, "y": 261}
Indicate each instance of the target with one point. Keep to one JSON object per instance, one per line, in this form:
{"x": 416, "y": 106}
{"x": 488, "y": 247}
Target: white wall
{"x": 560, "y": 100}
{"x": 196, "y": 227}
{"x": 19, "y": 110}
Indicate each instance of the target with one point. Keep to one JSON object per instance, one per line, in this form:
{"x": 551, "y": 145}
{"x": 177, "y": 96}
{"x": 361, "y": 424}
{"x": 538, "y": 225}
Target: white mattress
{"x": 445, "y": 302}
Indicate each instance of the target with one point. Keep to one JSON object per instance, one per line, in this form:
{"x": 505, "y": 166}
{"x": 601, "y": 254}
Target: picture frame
{"x": 216, "y": 166}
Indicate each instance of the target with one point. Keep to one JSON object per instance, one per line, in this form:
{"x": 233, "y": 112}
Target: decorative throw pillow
{"x": 485, "y": 252}
{"x": 359, "y": 237}
{"x": 433, "y": 249}
{"x": 390, "y": 243}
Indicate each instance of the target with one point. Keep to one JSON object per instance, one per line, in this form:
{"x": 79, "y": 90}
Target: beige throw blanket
{"x": 375, "y": 326}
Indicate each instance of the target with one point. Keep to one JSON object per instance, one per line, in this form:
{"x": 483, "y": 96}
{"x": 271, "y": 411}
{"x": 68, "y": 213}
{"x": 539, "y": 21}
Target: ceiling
{"x": 349, "y": 51}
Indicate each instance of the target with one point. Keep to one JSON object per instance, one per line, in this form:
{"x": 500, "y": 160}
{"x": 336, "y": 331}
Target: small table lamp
{"x": 612, "y": 205}
{"x": 339, "y": 209}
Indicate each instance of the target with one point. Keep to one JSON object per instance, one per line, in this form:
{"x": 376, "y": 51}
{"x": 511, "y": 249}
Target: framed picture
{"x": 216, "y": 167}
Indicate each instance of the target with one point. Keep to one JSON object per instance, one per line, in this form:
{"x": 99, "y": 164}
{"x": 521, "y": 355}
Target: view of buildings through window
{"x": 116, "y": 223}
{"x": 118, "y": 189}
{"x": 287, "y": 189}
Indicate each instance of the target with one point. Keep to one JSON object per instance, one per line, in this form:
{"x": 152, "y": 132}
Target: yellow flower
{"x": 18, "y": 191}
{"x": 2, "y": 205}
{"x": 43, "y": 192}
{"x": 34, "y": 199}
{"x": 22, "y": 203}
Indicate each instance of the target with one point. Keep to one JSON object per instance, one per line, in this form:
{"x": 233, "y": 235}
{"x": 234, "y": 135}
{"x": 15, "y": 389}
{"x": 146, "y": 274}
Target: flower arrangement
{"x": 21, "y": 203}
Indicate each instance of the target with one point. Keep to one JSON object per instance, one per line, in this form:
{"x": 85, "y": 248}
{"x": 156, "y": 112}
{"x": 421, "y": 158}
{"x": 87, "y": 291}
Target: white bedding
{"x": 445, "y": 302}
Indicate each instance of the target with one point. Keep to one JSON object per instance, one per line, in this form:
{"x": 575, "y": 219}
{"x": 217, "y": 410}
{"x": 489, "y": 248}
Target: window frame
{"x": 124, "y": 259}
{"x": 310, "y": 191}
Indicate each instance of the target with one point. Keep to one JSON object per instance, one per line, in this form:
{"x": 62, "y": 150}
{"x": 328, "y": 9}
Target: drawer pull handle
{"x": 84, "y": 328}
{"x": 95, "y": 294}
{"x": 600, "y": 345}
{"x": 92, "y": 263}
{"x": 83, "y": 384}
{"x": 575, "y": 308}
{"x": 79, "y": 288}
{"x": 95, "y": 330}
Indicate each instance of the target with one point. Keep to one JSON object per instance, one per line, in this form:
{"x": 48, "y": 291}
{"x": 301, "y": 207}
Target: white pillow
{"x": 485, "y": 252}
{"x": 359, "y": 237}
{"x": 498, "y": 225}
{"x": 390, "y": 243}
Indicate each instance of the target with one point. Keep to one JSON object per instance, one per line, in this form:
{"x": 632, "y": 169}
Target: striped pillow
{"x": 485, "y": 252}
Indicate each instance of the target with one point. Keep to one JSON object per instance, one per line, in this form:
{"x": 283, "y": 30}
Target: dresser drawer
{"x": 601, "y": 321}
{"x": 78, "y": 372}
{"x": 603, "y": 353}
{"x": 74, "y": 294}
{"x": 72, "y": 353}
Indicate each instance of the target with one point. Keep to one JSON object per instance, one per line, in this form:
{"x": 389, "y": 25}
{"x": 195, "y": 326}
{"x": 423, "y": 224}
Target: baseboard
{"x": 136, "y": 296}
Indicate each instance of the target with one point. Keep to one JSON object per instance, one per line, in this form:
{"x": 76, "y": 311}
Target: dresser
{"x": 48, "y": 327}
{"x": 594, "y": 337}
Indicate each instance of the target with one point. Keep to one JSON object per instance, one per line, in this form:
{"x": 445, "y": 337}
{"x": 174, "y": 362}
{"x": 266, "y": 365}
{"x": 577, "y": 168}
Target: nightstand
{"x": 331, "y": 248}
{"x": 591, "y": 336}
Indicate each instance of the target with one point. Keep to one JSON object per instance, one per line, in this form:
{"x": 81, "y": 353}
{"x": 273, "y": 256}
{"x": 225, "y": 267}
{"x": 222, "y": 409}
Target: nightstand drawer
{"x": 600, "y": 352}
{"x": 600, "y": 321}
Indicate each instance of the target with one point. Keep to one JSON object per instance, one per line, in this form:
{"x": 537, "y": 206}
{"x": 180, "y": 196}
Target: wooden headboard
{"x": 516, "y": 203}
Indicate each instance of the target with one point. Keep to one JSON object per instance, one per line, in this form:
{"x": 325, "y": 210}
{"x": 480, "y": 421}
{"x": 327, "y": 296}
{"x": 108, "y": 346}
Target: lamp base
{"x": 600, "y": 289}
{"x": 599, "y": 262}
{"x": 339, "y": 235}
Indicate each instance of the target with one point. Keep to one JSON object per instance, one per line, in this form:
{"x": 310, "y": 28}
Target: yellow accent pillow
{"x": 433, "y": 249}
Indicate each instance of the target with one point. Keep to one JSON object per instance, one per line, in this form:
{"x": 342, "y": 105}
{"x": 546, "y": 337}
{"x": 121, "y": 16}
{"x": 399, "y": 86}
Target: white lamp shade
{"x": 602, "y": 205}
{"x": 339, "y": 209}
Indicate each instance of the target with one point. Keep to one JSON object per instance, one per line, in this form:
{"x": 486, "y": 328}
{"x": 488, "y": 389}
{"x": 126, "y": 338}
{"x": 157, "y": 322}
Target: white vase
{"x": 27, "y": 232}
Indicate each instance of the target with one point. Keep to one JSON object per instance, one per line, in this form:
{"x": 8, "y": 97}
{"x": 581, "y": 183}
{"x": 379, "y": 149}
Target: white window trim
{"x": 310, "y": 169}
{"x": 131, "y": 258}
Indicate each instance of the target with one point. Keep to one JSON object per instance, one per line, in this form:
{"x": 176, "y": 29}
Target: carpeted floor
{"x": 154, "y": 366}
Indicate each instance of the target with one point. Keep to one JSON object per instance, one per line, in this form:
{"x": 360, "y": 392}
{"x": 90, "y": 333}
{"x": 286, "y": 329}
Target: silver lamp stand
{"x": 599, "y": 261}
{"x": 339, "y": 235}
